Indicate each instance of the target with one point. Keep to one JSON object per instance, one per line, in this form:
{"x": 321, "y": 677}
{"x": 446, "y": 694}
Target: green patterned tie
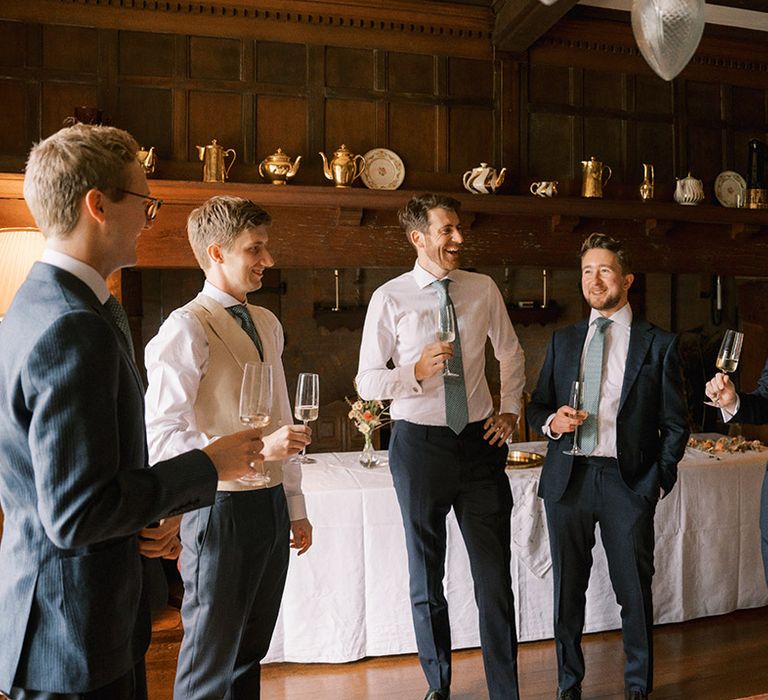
{"x": 456, "y": 410}
{"x": 117, "y": 312}
{"x": 240, "y": 311}
{"x": 593, "y": 373}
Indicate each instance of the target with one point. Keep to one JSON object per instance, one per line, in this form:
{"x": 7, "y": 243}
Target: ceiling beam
{"x": 519, "y": 23}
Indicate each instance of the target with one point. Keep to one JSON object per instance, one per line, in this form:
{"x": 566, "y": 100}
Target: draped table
{"x": 347, "y": 597}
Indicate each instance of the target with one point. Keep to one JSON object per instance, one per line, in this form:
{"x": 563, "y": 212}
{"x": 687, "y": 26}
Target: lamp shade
{"x": 19, "y": 249}
{"x": 667, "y": 33}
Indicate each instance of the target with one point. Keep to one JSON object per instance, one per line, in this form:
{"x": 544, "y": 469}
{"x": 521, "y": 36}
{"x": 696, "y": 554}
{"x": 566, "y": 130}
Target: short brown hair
{"x": 64, "y": 167}
{"x": 221, "y": 220}
{"x": 602, "y": 240}
{"x": 414, "y": 216}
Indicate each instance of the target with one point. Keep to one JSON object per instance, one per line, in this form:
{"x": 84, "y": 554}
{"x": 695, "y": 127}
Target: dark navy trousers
{"x": 595, "y": 494}
{"x": 434, "y": 470}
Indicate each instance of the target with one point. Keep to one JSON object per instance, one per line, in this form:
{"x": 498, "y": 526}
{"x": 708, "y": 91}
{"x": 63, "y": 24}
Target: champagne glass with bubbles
{"x": 577, "y": 390}
{"x": 307, "y": 405}
{"x": 256, "y": 409}
{"x": 728, "y": 356}
{"x": 446, "y": 332}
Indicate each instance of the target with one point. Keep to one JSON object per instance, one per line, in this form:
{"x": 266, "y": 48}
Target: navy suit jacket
{"x": 651, "y": 427}
{"x": 753, "y": 408}
{"x": 75, "y": 491}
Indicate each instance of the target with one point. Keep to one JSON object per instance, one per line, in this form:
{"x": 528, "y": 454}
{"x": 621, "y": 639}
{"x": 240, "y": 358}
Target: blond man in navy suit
{"x": 74, "y": 482}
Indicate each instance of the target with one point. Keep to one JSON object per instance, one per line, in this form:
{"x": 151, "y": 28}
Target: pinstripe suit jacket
{"x": 75, "y": 490}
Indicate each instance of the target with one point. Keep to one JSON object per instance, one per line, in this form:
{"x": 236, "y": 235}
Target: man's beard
{"x": 610, "y": 302}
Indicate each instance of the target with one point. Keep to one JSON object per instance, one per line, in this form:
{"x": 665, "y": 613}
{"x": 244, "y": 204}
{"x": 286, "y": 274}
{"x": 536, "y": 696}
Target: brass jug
{"x": 592, "y": 177}
{"x": 344, "y": 168}
{"x": 214, "y": 166}
{"x": 278, "y": 168}
{"x": 646, "y": 186}
{"x": 147, "y": 160}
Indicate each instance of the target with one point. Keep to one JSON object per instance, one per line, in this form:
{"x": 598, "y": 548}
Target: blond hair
{"x": 64, "y": 167}
{"x": 221, "y": 220}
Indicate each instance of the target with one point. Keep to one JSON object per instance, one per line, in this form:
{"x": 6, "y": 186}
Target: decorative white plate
{"x": 730, "y": 188}
{"x": 383, "y": 170}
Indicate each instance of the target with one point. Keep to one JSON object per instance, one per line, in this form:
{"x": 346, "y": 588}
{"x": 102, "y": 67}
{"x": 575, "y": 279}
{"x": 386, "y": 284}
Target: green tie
{"x": 118, "y": 315}
{"x": 456, "y": 411}
{"x": 593, "y": 374}
{"x": 241, "y": 311}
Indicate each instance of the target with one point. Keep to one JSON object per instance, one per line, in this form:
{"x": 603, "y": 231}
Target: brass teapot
{"x": 147, "y": 160}
{"x": 278, "y": 168}
{"x": 344, "y": 168}
{"x": 592, "y": 177}
{"x": 484, "y": 179}
{"x": 214, "y": 166}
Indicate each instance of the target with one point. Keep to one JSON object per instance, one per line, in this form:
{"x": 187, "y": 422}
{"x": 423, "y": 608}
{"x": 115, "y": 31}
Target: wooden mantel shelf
{"x": 357, "y": 227}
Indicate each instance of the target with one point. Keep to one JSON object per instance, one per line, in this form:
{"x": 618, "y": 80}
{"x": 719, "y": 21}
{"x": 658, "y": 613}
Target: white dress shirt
{"x": 402, "y": 319}
{"x": 176, "y": 360}
{"x": 85, "y": 273}
{"x": 614, "y": 364}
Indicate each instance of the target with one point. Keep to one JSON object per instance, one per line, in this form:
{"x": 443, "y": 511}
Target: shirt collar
{"x": 226, "y": 300}
{"x": 424, "y": 278}
{"x": 623, "y": 316}
{"x": 85, "y": 273}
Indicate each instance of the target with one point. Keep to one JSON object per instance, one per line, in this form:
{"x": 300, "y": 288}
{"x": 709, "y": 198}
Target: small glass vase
{"x": 368, "y": 456}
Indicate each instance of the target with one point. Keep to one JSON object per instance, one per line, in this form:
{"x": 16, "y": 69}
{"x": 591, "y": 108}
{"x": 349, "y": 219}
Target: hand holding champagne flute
{"x": 256, "y": 409}
{"x": 307, "y": 405}
{"x": 577, "y": 391}
{"x": 727, "y": 362}
{"x": 446, "y": 332}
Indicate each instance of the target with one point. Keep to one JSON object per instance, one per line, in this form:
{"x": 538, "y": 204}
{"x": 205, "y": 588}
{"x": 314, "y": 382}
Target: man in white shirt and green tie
{"x": 447, "y": 448}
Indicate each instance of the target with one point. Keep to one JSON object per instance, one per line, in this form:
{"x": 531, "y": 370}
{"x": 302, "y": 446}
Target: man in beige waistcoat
{"x": 235, "y": 553}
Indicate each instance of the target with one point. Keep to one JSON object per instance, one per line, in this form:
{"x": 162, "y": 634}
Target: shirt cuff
{"x": 297, "y": 508}
{"x": 728, "y": 415}
{"x": 548, "y": 431}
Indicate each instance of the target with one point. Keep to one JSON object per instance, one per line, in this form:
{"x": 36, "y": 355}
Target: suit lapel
{"x": 640, "y": 340}
{"x": 239, "y": 344}
{"x": 571, "y": 365}
{"x": 81, "y": 290}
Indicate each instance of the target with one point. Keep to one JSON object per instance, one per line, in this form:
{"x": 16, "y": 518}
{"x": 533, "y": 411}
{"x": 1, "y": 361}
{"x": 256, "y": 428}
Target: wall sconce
{"x": 20, "y": 248}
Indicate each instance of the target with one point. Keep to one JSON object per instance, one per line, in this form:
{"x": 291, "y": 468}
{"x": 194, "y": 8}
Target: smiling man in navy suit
{"x": 632, "y": 433}
{"x": 77, "y": 496}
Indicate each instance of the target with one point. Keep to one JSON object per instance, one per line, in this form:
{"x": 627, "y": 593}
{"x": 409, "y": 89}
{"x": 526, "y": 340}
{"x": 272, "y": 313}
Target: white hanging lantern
{"x": 667, "y": 33}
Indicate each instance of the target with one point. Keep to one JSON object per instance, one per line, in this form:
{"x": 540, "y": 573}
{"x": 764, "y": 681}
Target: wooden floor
{"x": 717, "y": 658}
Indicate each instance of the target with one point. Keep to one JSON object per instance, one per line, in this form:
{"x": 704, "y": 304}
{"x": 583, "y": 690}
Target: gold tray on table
{"x": 517, "y": 459}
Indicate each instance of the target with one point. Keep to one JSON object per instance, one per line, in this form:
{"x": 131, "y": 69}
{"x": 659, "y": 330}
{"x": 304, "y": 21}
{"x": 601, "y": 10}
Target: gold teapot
{"x": 592, "y": 177}
{"x": 214, "y": 166}
{"x": 147, "y": 160}
{"x": 278, "y": 168}
{"x": 344, "y": 168}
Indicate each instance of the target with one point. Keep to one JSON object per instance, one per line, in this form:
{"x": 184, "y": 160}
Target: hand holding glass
{"x": 256, "y": 409}
{"x": 728, "y": 357}
{"x": 307, "y": 405}
{"x": 574, "y": 402}
{"x": 446, "y": 332}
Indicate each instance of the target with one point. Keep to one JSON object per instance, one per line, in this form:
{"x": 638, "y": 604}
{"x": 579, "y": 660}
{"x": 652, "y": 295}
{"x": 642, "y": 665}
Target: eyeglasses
{"x": 151, "y": 205}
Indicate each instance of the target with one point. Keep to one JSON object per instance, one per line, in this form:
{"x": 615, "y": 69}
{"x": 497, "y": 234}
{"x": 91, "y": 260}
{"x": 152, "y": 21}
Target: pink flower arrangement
{"x": 367, "y": 415}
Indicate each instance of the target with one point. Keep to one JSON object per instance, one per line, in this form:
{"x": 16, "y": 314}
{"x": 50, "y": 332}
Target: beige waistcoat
{"x": 218, "y": 396}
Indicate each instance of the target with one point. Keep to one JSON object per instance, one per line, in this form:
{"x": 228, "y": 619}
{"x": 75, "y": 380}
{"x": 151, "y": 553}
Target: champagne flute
{"x": 577, "y": 390}
{"x": 307, "y": 405}
{"x": 255, "y": 410}
{"x": 446, "y": 331}
{"x": 728, "y": 356}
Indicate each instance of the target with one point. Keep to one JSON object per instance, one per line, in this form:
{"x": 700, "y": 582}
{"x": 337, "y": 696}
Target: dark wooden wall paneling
{"x": 179, "y": 91}
{"x": 589, "y": 93}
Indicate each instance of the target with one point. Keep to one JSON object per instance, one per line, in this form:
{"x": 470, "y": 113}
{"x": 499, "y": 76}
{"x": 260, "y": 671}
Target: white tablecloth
{"x": 347, "y": 597}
